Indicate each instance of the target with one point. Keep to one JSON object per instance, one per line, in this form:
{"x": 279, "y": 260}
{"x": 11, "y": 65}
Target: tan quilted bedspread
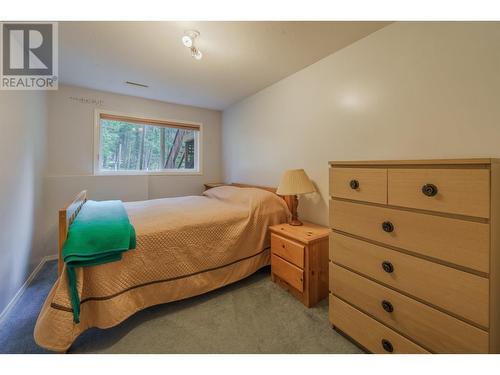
{"x": 185, "y": 246}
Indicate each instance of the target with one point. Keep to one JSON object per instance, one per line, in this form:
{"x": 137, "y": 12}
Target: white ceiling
{"x": 240, "y": 58}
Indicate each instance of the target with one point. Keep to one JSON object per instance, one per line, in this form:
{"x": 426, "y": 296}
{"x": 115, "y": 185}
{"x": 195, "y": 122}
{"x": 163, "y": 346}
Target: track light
{"x": 196, "y": 53}
{"x": 188, "y": 39}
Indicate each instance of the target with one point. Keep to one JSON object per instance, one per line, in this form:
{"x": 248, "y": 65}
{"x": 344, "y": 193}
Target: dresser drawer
{"x": 465, "y": 243}
{"x": 364, "y": 184}
{"x": 289, "y": 273}
{"x": 456, "y": 191}
{"x": 458, "y": 292}
{"x": 434, "y": 330}
{"x": 369, "y": 333}
{"x": 287, "y": 249}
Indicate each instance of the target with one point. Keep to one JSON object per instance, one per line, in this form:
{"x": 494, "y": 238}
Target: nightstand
{"x": 299, "y": 260}
{"x": 210, "y": 185}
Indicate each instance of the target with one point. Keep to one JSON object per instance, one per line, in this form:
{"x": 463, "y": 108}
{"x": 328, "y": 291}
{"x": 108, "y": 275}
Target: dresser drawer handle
{"x": 387, "y": 226}
{"x": 387, "y": 306}
{"x": 386, "y": 344}
{"x": 388, "y": 267}
{"x": 354, "y": 184}
{"x": 430, "y": 190}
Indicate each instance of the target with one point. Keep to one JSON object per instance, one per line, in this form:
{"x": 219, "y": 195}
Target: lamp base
{"x": 295, "y": 222}
{"x": 295, "y": 219}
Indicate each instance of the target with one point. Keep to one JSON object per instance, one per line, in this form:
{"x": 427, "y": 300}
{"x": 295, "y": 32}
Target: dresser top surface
{"x": 474, "y": 161}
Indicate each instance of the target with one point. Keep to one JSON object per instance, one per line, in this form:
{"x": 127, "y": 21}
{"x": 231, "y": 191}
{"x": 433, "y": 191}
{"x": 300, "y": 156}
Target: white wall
{"x": 22, "y": 149}
{"x": 70, "y": 152}
{"x": 408, "y": 91}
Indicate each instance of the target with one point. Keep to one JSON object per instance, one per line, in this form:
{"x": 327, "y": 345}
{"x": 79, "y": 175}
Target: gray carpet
{"x": 251, "y": 316}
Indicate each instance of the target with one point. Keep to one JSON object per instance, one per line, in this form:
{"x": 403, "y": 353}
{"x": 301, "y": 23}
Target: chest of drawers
{"x": 415, "y": 255}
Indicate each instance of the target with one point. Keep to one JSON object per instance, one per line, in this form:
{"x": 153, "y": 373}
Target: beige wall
{"x": 46, "y": 157}
{"x": 22, "y": 149}
{"x": 70, "y": 152}
{"x": 410, "y": 90}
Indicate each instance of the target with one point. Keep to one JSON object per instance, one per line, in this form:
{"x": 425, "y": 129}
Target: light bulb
{"x": 187, "y": 41}
{"x": 198, "y": 55}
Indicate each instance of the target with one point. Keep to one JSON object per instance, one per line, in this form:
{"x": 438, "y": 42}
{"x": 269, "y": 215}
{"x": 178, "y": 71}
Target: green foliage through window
{"x": 133, "y": 147}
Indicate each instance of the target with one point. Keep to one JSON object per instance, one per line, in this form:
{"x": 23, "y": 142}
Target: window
{"x": 132, "y": 145}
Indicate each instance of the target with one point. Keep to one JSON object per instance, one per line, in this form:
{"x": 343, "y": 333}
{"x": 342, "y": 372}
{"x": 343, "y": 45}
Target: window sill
{"x": 149, "y": 173}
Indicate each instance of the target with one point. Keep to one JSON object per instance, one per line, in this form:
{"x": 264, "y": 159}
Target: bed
{"x": 186, "y": 246}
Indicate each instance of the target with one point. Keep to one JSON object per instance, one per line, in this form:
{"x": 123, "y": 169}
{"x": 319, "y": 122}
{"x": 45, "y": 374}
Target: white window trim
{"x": 169, "y": 172}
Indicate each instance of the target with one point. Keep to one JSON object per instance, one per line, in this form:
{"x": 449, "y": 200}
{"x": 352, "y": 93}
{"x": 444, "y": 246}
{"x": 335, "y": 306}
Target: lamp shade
{"x": 295, "y": 181}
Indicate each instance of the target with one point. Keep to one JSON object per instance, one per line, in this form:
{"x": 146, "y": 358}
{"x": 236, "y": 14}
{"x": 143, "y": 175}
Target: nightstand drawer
{"x": 288, "y": 250}
{"x": 431, "y": 328}
{"x": 288, "y": 272}
{"x": 369, "y": 333}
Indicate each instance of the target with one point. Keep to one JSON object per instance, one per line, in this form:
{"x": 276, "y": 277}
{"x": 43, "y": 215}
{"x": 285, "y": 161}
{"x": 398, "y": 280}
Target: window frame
{"x": 163, "y": 172}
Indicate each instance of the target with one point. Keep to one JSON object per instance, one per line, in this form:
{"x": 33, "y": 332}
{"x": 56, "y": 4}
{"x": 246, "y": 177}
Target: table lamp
{"x": 295, "y": 182}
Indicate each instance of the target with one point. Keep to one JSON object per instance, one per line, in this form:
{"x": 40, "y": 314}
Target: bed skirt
{"x": 56, "y": 331}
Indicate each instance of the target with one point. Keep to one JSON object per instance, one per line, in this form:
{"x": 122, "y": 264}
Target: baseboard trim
{"x": 23, "y": 287}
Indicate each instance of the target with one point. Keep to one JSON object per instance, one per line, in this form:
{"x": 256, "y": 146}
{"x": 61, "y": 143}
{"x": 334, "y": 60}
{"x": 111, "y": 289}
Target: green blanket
{"x": 100, "y": 234}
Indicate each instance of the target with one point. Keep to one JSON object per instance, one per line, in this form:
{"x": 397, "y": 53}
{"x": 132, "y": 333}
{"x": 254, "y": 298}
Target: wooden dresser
{"x": 415, "y": 255}
{"x": 299, "y": 260}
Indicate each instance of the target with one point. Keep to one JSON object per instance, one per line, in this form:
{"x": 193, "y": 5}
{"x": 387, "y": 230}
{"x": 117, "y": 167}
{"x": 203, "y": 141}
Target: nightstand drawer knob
{"x": 388, "y": 267}
{"x": 354, "y": 184}
{"x": 386, "y": 344}
{"x": 387, "y": 306}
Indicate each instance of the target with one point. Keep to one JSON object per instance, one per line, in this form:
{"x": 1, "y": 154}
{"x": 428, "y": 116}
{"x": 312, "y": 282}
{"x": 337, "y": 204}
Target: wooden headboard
{"x": 66, "y": 217}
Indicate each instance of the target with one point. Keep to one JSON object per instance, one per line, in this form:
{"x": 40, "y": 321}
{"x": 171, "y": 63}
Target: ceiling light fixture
{"x": 188, "y": 39}
{"x": 196, "y": 53}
